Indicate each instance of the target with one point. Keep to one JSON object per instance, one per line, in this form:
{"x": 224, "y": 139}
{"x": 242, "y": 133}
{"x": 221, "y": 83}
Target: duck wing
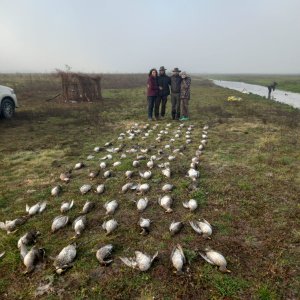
{"x": 154, "y": 256}
{"x": 181, "y": 252}
{"x": 128, "y": 262}
{"x": 204, "y": 256}
{"x": 195, "y": 227}
{"x": 42, "y": 206}
{"x": 186, "y": 205}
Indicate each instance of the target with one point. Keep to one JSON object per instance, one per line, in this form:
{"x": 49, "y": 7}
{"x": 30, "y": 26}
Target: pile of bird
{"x": 158, "y": 159}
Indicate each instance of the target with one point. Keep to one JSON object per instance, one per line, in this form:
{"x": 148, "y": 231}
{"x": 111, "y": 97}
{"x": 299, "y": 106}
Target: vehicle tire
{"x": 7, "y": 108}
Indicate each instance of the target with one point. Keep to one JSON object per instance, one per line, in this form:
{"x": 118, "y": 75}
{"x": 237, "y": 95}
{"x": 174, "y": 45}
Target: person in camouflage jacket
{"x": 185, "y": 94}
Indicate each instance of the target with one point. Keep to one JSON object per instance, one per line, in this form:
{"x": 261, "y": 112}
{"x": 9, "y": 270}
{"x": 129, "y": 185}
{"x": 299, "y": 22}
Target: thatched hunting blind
{"x": 80, "y": 87}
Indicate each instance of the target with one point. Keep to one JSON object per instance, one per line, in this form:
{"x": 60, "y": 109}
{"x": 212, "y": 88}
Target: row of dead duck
{"x": 141, "y": 260}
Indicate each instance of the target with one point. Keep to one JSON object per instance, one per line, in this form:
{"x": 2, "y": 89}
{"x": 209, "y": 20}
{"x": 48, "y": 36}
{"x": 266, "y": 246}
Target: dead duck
{"x": 56, "y": 190}
{"x": 175, "y": 227}
{"x": 150, "y": 164}
{"x": 36, "y": 209}
{"x": 128, "y": 186}
{"x": 196, "y": 160}
{"x": 100, "y": 189}
{"x": 79, "y": 165}
{"x": 103, "y": 254}
{"x": 190, "y": 204}
{"x": 85, "y": 189}
{"x": 178, "y": 259}
{"x": 202, "y": 227}
{"x": 93, "y": 174}
{"x": 66, "y": 176}
{"x": 166, "y": 203}
{"x": 198, "y": 153}
{"x": 28, "y": 238}
{"x": 88, "y": 207}
{"x": 142, "y": 204}
{"x": 171, "y": 157}
{"x": 102, "y": 165}
{"x": 111, "y": 207}
{"x": 10, "y": 226}
{"x": 109, "y": 226}
{"x": 59, "y": 222}
{"x": 128, "y": 174}
{"x": 66, "y": 206}
{"x": 145, "y": 150}
{"x": 79, "y": 225}
{"x": 167, "y": 187}
{"x": 32, "y": 258}
{"x": 135, "y": 163}
{"x": 142, "y": 261}
{"x": 107, "y": 174}
{"x": 107, "y": 144}
{"x": 116, "y": 163}
{"x": 65, "y": 258}
{"x": 215, "y": 258}
{"x": 143, "y": 188}
{"x": 193, "y": 174}
{"x": 204, "y": 142}
{"x": 166, "y": 172}
{"x": 108, "y": 156}
{"x": 140, "y": 157}
{"x": 145, "y": 225}
{"x": 146, "y": 175}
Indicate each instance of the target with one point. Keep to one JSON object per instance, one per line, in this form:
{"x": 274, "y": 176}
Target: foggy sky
{"x": 199, "y": 36}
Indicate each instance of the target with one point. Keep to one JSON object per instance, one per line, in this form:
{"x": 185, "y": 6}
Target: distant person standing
{"x": 271, "y": 88}
{"x": 152, "y": 92}
{"x": 185, "y": 93}
{"x": 175, "y": 93}
{"x": 164, "y": 91}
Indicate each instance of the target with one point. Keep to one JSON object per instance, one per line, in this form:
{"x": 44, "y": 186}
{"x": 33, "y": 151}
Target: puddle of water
{"x": 290, "y": 98}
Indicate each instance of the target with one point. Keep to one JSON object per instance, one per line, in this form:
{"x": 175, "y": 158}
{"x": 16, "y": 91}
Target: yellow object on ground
{"x": 234, "y": 98}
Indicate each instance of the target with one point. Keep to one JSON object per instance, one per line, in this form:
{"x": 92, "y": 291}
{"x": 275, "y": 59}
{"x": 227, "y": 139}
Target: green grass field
{"x": 285, "y": 82}
{"x": 248, "y": 190}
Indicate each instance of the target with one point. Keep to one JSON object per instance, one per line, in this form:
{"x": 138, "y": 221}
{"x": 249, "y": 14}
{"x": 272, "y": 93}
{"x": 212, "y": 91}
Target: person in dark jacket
{"x": 152, "y": 91}
{"x": 175, "y": 93}
{"x": 164, "y": 91}
{"x": 185, "y": 92}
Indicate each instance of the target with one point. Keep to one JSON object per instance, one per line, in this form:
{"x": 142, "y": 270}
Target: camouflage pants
{"x": 185, "y": 107}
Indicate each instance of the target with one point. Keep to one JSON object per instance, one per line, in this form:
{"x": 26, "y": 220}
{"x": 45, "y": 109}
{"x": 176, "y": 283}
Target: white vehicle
{"x": 8, "y": 102}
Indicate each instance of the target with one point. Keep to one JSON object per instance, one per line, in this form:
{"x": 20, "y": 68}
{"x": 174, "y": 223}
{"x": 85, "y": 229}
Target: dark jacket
{"x": 164, "y": 81}
{"x": 152, "y": 86}
{"x": 175, "y": 83}
{"x": 185, "y": 90}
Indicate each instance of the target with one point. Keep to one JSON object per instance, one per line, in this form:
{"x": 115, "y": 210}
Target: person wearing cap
{"x": 175, "y": 93}
{"x": 185, "y": 92}
{"x": 164, "y": 91}
{"x": 152, "y": 91}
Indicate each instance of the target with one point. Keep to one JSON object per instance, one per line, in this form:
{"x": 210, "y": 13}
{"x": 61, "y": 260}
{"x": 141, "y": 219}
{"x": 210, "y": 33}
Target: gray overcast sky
{"x": 226, "y": 36}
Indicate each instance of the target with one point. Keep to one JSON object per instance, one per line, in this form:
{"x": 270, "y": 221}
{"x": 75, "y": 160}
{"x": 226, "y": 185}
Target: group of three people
{"x": 158, "y": 90}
